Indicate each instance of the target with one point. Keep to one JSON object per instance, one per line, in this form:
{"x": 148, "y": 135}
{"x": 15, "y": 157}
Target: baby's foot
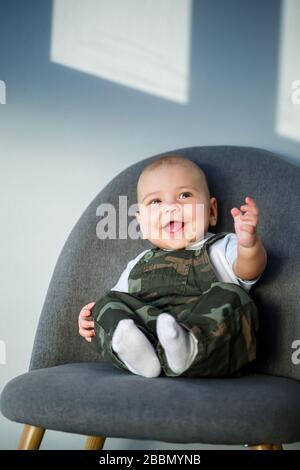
{"x": 180, "y": 346}
{"x": 135, "y": 350}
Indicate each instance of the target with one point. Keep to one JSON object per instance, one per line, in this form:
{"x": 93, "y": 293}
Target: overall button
{"x": 198, "y": 251}
{"x": 148, "y": 256}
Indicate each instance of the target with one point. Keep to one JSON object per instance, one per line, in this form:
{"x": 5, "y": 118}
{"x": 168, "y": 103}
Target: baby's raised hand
{"x": 245, "y": 224}
{"x": 86, "y": 327}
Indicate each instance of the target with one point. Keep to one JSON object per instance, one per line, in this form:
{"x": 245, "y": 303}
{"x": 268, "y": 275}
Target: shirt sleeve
{"x": 122, "y": 284}
{"x": 222, "y": 255}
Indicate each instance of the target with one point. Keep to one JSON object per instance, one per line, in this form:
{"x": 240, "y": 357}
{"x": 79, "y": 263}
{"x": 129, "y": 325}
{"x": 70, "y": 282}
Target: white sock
{"x": 180, "y": 346}
{"x": 135, "y": 350}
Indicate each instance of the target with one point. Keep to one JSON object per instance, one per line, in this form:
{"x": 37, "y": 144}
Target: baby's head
{"x": 174, "y": 204}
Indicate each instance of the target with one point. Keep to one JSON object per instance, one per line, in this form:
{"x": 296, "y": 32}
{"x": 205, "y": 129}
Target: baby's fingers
{"x": 250, "y": 206}
{"x": 248, "y": 228}
{"x": 235, "y": 212}
{"x": 250, "y": 209}
{"x": 86, "y": 310}
{"x": 84, "y": 313}
{"x": 88, "y": 306}
{"x": 87, "y": 324}
{"x": 86, "y": 334}
{"x": 251, "y": 218}
{"x": 250, "y": 200}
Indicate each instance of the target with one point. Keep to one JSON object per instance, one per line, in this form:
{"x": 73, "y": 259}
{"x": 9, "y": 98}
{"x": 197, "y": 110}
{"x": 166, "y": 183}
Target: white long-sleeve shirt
{"x": 222, "y": 255}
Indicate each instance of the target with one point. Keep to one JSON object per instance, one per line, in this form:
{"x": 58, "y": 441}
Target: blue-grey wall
{"x": 233, "y": 88}
{"x": 64, "y": 134}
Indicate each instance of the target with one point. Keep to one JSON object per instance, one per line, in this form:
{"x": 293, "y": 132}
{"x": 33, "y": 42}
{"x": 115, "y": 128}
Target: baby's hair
{"x": 176, "y": 159}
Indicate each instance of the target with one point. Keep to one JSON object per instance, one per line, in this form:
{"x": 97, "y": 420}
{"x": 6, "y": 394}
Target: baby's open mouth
{"x": 173, "y": 226}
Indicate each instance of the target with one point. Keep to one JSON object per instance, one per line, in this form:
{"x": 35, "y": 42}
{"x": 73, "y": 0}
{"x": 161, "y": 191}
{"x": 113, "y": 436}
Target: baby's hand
{"x": 245, "y": 224}
{"x": 86, "y": 327}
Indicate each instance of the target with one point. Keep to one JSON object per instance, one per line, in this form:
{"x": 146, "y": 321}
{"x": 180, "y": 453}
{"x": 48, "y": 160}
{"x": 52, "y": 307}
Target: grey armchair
{"x": 73, "y": 389}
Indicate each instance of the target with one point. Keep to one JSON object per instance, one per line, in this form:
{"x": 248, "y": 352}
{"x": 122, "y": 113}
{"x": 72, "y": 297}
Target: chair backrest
{"x": 88, "y": 266}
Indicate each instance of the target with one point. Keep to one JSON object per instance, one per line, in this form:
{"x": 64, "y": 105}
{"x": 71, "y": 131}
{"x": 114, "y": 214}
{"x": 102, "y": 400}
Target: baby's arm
{"x": 251, "y": 255}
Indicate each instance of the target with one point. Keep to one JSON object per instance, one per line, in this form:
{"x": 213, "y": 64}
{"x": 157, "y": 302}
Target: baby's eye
{"x": 184, "y": 195}
{"x": 154, "y": 201}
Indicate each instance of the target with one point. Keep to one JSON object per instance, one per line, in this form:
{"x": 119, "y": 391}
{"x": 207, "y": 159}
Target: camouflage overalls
{"x": 221, "y": 315}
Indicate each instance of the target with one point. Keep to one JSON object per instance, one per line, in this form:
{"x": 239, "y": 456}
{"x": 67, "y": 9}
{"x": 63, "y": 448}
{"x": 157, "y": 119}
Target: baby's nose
{"x": 170, "y": 207}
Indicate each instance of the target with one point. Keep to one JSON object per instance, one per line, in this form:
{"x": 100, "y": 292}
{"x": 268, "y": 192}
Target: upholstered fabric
{"x": 100, "y": 400}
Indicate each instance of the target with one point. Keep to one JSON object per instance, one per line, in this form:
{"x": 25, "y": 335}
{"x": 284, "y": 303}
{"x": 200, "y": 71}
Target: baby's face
{"x": 174, "y": 207}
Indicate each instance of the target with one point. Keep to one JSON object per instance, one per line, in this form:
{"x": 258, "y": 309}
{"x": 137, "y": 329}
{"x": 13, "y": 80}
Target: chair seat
{"x": 99, "y": 399}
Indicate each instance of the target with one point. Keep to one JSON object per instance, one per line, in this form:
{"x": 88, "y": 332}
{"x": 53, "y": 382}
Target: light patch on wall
{"x": 142, "y": 44}
{"x": 288, "y": 106}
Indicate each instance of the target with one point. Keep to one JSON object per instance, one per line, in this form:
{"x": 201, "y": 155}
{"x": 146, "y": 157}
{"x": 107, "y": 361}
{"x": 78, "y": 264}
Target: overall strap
{"x": 213, "y": 239}
{"x": 205, "y": 245}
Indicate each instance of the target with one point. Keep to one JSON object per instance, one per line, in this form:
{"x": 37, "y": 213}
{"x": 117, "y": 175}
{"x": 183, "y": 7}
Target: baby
{"x": 182, "y": 306}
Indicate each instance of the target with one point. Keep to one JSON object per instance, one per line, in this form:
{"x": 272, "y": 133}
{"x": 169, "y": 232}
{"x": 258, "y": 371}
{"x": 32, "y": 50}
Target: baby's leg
{"x": 123, "y": 336}
{"x": 225, "y": 322}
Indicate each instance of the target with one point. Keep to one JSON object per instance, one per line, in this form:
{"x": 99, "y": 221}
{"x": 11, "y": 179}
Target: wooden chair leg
{"x": 94, "y": 443}
{"x": 31, "y": 438}
{"x": 266, "y": 447}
